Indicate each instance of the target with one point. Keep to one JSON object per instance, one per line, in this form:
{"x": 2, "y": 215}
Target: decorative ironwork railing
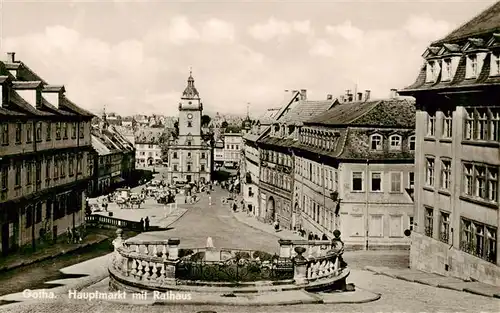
{"x": 96, "y": 219}
{"x": 428, "y": 231}
{"x": 235, "y": 270}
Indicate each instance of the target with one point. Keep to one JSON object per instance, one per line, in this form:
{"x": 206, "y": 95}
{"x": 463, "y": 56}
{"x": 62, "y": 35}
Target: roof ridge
{"x": 367, "y": 111}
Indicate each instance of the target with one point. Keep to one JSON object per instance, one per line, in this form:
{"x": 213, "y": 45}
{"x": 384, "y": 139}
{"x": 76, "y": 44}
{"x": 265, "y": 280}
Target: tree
{"x": 176, "y": 129}
{"x": 205, "y": 120}
{"x": 224, "y": 124}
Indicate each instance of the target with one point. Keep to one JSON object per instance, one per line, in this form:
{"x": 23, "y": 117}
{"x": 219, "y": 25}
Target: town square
{"x": 210, "y": 157}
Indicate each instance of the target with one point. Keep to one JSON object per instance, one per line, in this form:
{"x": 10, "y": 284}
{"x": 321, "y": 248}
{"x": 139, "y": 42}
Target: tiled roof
{"x": 3, "y": 79}
{"x": 388, "y": 113}
{"x": 99, "y": 146}
{"x": 148, "y": 136}
{"x": 17, "y": 102}
{"x": 487, "y": 21}
{"x": 305, "y": 110}
{"x": 53, "y": 109}
{"x": 68, "y": 104}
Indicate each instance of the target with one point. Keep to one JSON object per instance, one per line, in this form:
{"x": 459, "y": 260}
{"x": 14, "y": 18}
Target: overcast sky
{"x": 134, "y": 56}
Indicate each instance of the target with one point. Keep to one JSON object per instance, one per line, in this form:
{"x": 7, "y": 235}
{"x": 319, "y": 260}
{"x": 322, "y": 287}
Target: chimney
{"x": 394, "y": 93}
{"x": 360, "y": 96}
{"x": 342, "y": 98}
{"x": 367, "y": 95}
{"x": 11, "y": 57}
{"x": 329, "y": 97}
{"x": 303, "y": 94}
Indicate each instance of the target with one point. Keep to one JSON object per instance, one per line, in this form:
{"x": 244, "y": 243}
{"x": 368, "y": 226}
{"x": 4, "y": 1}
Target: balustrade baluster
{"x": 155, "y": 250}
{"x": 133, "y": 272}
{"x": 147, "y": 270}
{"x": 155, "y": 268}
{"x": 125, "y": 266}
{"x": 309, "y": 271}
{"x": 164, "y": 252}
{"x": 139, "y": 270}
{"x": 137, "y": 249}
{"x": 163, "y": 273}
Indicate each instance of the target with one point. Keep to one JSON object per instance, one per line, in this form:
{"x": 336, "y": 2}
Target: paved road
{"x": 203, "y": 220}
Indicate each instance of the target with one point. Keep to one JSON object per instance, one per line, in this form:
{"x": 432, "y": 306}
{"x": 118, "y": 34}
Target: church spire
{"x": 190, "y": 92}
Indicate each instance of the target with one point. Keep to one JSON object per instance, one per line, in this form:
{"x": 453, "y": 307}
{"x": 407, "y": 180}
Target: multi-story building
{"x": 276, "y": 179}
{"x": 114, "y": 159}
{"x": 219, "y": 152}
{"x": 44, "y": 158}
{"x": 190, "y": 156}
{"x": 232, "y": 149}
{"x": 148, "y": 150}
{"x": 354, "y": 172}
{"x": 457, "y": 215}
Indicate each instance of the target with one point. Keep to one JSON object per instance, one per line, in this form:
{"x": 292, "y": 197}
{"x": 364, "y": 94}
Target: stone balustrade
{"x": 322, "y": 267}
{"x": 313, "y": 248}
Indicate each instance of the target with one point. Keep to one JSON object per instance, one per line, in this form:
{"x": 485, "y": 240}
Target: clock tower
{"x": 190, "y": 157}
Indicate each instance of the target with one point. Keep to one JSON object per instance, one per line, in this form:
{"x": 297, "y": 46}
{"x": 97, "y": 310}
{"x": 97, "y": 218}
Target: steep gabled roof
{"x": 485, "y": 22}
{"x": 306, "y": 110}
{"x": 378, "y": 113}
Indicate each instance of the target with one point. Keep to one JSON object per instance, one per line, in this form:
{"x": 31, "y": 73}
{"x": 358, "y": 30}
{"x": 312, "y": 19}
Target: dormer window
{"x": 376, "y": 142}
{"x": 395, "y": 142}
{"x": 495, "y": 64}
{"x": 432, "y": 71}
{"x": 472, "y": 68}
{"x": 411, "y": 143}
{"x": 447, "y": 70}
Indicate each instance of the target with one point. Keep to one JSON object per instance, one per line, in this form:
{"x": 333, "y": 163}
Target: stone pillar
{"x": 173, "y": 248}
{"x": 285, "y": 248}
{"x": 300, "y": 267}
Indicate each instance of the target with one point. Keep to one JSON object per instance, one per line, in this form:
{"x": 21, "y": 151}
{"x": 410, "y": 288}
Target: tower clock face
{"x": 190, "y": 116}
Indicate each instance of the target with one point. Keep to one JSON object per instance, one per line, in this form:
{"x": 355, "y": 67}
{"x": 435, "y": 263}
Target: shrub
{"x": 242, "y": 255}
{"x": 263, "y": 256}
{"x": 185, "y": 252}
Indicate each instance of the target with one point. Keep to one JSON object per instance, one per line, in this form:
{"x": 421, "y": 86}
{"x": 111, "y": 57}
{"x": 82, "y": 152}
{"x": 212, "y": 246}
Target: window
{"x": 81, "y": 130}
{"x": 62, "y": 167}
{"x": 357, "y": 181}
{"x": 376, "y": 142}
{"x": 445, "y": 174}
{"x": 175, "y": 155}
{"x": 19, "y": 131}
{"x": 447, "y": 72}
{"x": 395, "y": 141}
{"x": 4, "y": 182}
{"x": 410, "y": 222}
{"x": 189, "y": 155}
{"x": 189, "y": 124}
{"x": 189, "y": 168}
{"x": 495, "y": 64}
{"x": 29, "y": 173}
{"x": 396, "y": 226}
{"x": 472, "y": 68}
{"x": 71, "y": 166}
{"x": 49, "y": 131}
{"x": 431, "y": 125}
{"x": 189, "y": 142}
{"x": 429, "y": 172}
{"x": 447, "y": 125}
{"x": 56, "y": 169}
{"x": 73, "y": 130}
{"x": 481, "y": 181}
{"x": 65, "y": 130}
{"x": 79, "y": 161}
{"x": 376, "y": 182}
{"x": 18, "y": 175}
{"x": 5, "y": 134}
{"x": 47, "y": 169}
{"x": 38, "y": 172}
{"x": 396, "y": 182}
{"x": 38, "y": 135}
{"x": 478, "y": 239}
{"x": 444, "y": 227}
{"x": 38, "y": 213}
{"x": 376, "y": 227}
{"x": 411, "y": 180}
{"x": 411, "y": 143}
{"x": 29, "y": 132}
{"x": 175, "y": 167}
{"x": 429, "y": 221}
{"x": 203, "y": 155}
{"x": 29, "y": 216}
{"x": 202, "y": 167}
{"x": 58, "y": 131}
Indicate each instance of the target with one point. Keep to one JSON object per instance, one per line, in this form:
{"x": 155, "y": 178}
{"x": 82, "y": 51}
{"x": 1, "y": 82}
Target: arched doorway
{"x": 150, "y": 161}
{"x": 271, "y": 209}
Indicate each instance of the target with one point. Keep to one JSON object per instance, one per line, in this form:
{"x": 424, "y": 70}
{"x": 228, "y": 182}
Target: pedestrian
{"x": 142, "y": 224}
{"x": 146, "y": 223}
{"x": 276, "y": 225}
{"x": 324, "y": 237}
{"x": 70, "y": 235}
{"x": 235, "y": 206}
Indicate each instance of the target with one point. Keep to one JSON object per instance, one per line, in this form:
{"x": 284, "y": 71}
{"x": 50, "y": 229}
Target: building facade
{"x": 148, "y": 148}
{"x": 354, "y": 172}
{"x": 189, "y": 155}
{"x": 219, "y": 153}
{"x": 233, "y": 143}
{"x": 457, "y": 212}
{"x": 276, "y": 181}
{"x": 114, "y": 159}
{"x": 45, "y": 153}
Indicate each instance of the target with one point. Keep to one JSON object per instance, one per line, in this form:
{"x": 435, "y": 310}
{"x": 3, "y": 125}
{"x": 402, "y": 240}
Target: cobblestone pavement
{"x": 397, "y": 296}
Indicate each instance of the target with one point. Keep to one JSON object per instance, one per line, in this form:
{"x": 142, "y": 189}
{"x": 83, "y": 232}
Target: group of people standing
{"x": 144, "y": 223}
